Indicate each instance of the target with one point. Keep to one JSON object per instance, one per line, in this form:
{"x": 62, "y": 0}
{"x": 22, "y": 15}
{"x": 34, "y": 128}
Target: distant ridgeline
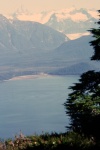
{"x": 28, "y": 48}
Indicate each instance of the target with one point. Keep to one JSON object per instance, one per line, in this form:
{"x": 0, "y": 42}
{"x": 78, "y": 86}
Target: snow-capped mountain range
{"x": 74, "y": 14}
{"x": 72, "y": 22}
{"x": 30, "y": 47}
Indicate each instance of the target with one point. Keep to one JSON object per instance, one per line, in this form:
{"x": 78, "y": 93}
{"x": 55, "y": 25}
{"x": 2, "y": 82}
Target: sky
{"x": 10, "y": 6}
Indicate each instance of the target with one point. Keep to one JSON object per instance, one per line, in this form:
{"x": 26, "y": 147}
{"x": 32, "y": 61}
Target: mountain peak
{"x": 68, "y": 21}
{"x": 44, "y": 16}
{"x": 3, "y": 17}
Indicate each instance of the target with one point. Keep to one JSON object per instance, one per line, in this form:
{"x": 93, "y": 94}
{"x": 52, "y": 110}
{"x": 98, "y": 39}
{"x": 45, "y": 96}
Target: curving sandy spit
{"x": 29, "y": 77}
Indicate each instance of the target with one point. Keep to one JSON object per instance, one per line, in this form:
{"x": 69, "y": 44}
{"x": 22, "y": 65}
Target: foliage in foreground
{"x": 54, "y": 141}
{"x": 96, "y": 42}
{"x": 83, "y": 105}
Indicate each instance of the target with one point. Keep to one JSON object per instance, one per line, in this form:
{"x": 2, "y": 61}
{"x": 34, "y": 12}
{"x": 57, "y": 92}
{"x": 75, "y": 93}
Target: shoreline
{"x": 25, "y": 77}
{"x": 35, "y": 76}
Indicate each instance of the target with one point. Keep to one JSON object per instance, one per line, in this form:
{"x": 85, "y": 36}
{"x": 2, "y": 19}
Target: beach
{"x": 25, "y": 77}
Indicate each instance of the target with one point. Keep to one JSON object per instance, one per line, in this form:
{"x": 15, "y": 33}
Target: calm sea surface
{"x": 34, "y": 105}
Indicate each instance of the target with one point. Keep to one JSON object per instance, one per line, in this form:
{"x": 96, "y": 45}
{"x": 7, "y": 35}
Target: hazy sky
{"x": 9, "y": 6}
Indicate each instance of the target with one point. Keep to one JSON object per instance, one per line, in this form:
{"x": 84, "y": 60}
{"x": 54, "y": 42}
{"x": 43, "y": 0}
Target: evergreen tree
{"x": 83, "y": 104}
{"x": 96, "y": 43}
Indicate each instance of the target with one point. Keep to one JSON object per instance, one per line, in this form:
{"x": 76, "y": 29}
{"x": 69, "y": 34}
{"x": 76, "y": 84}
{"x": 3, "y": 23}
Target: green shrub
{"x": 53, "y": 141}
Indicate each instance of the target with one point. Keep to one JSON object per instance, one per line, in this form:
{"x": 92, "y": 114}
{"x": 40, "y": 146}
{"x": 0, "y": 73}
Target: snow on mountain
{"x": 25, "y": 15}
{"x": 68, "y": 21}
{"x": 75, "y": 17}
{"x": 75, "y": 21}
{"x": 77, "y": 35}
{"x": 93, "y": 13}
{"x": 27, "y": 44}
{"x": 72, "y": 57}
{"x": 43, "y": 17}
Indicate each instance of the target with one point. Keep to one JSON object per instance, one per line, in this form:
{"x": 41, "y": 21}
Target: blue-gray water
{"x": 34, "y": 105}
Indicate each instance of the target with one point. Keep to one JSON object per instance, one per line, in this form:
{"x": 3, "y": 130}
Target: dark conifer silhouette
{"x": 96, "y": 42}
{"x": 83, "y": 104}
